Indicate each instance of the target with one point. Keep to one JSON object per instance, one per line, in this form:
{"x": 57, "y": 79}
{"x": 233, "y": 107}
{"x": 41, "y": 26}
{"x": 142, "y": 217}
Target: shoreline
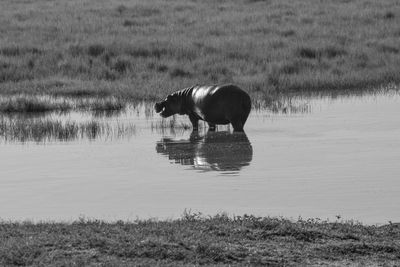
{"x": 40, "y": 102}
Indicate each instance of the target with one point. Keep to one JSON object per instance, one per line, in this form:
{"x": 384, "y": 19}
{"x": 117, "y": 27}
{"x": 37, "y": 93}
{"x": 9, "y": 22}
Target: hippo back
{"x": 220, "y": 104}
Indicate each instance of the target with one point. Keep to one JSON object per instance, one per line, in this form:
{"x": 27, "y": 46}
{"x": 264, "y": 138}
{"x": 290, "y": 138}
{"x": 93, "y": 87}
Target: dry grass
{"x": 143, "y": 50}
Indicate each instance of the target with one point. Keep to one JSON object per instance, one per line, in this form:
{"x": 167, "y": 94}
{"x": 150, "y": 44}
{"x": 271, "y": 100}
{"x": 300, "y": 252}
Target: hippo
{"x": 215, "y": 104}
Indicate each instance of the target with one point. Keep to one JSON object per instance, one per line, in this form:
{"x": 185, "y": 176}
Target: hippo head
{"x": 170, "y": 106}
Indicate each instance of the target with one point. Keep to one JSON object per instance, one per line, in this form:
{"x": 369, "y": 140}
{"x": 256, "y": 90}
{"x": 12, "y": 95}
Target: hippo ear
{"x": 158, "y": 107}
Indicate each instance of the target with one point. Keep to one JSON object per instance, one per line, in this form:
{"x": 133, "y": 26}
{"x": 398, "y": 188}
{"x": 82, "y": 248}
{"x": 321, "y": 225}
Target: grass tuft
{"x": 332, "y": 52}
{"x": 389, "y": 15}
{"x": 121, "y": 9}
{"x": 25, "y": 129}
{"x": 162, "y": 68}
{"x": 12, "y": 73}
{"x": 32, "y": 104}
{"x": 130, "y": 23}
{"x": 13, "y": 51}
{"x": 387, "y": 48}
{"x": 121, "y": 65}
{"x": 178, "y": 72}
{"x": 95, "y": 50}
{"x": 307, "y": 52}
{"x": 23, "y": 104}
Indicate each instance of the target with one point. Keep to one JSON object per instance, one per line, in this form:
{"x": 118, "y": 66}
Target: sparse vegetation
{"x": 42, "y": 130}
{"x": 171, "y": 125}
{"x": 24, "y": 129}
{"x": 31, "y": 104}
{"x": 198, "y": 240}
{"x": 144, "y": 50}
{"x": 40, "y": 104}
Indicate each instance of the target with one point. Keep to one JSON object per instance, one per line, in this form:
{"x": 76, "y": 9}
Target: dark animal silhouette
{"x": 215, "y": 151}
{"x": 215, "y": 104}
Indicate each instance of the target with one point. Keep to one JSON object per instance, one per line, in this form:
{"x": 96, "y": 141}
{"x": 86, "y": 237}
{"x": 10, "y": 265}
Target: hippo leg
{"x": 195, "y": 122}
{"x": 211, "y": 127}
{"x": 237, "y": 125}
{"x": 244, "y": 117}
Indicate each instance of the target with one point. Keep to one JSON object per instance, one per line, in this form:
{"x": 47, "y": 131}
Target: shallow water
{"x": 318, "y": 157}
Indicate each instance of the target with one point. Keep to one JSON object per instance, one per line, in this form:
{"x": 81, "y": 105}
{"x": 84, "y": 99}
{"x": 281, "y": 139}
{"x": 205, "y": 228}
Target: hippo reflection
{"x": 215, "y": 151}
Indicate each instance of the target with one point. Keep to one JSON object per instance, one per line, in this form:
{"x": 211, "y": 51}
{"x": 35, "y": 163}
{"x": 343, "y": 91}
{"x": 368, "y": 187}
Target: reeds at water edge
{"x": 43, "y": 130}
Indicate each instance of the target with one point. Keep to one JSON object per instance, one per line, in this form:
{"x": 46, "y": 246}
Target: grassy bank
{"x": 198, "y": 240}
{"x": 144, "y": 49}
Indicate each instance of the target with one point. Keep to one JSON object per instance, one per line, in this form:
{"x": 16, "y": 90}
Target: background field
{"x": 144, "y": 49}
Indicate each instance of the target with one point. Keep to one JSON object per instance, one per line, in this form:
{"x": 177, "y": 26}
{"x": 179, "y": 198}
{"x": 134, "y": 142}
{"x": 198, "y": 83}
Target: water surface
{"x": 317, "y": 157}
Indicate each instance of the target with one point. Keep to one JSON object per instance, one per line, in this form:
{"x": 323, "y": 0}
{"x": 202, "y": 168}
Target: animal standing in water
{"x": 215, "y": 104}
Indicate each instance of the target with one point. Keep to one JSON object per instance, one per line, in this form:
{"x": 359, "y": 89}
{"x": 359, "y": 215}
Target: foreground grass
{"x": 196, "y": 240}
{"x": 143, "y": 50}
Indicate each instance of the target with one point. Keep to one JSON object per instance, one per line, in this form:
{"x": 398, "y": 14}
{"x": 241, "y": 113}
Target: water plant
{"x": 42, "y": 130}
{"x": 31, "y": 104}
{"x": 45, "y": 103}
{"x": 171, "y": 125}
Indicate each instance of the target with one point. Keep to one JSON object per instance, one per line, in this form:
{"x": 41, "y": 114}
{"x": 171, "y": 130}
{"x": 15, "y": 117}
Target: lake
{"x": 318, "y": 157}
